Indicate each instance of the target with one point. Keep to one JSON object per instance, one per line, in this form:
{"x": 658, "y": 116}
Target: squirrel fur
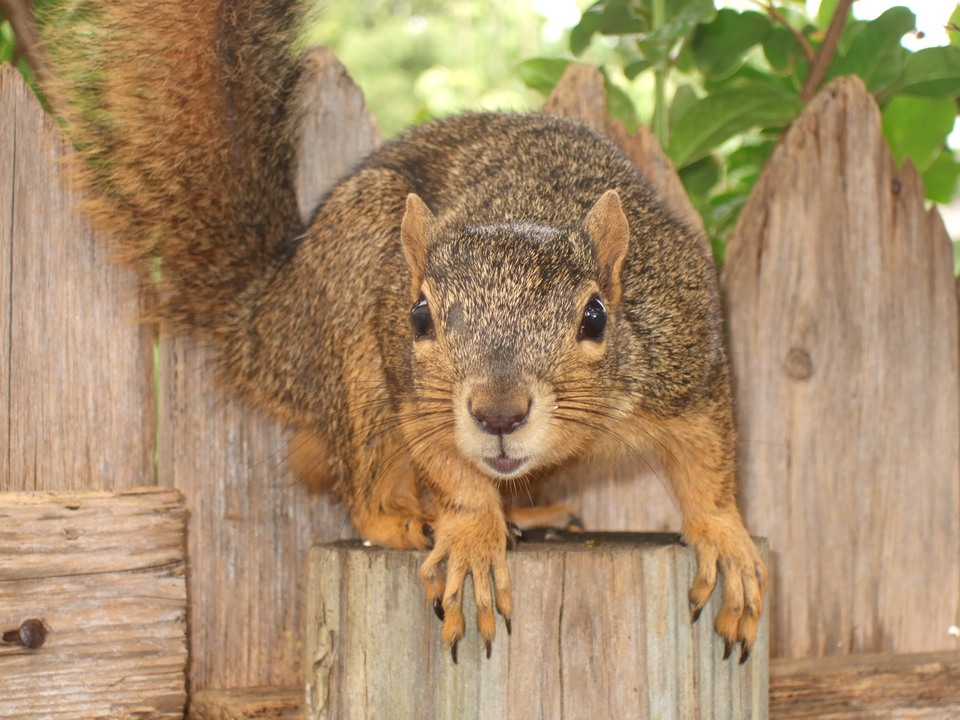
{"x": 483, "y": 300}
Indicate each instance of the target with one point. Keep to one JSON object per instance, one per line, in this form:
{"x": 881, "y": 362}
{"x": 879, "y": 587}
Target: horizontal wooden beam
{"x": 257, "y": 703}
{"x": 921, "y": 686}
{"x": 104, "y": 574}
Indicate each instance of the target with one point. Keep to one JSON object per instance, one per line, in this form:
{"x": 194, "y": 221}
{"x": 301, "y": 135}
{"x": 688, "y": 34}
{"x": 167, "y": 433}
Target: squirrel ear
{"x": 610, "y": 233}
{"x": 415, "y": 229}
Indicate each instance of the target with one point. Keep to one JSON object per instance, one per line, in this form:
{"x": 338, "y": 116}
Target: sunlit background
{"x": 419, "y": 59}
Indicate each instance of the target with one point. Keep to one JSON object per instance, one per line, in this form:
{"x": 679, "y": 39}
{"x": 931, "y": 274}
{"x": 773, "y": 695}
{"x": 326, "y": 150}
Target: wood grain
{"x": 76, "y": 396}
{"x": 601, "y": 629}
{"x": 261, "y": 703}
{"x": 105, "y": 572}
{"x": 920, "y": 686}
{"x": 843, "y": 326}
{"x": 251, "y": 523}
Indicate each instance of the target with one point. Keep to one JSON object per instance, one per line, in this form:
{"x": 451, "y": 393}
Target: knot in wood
{"x": 798, "y": 364}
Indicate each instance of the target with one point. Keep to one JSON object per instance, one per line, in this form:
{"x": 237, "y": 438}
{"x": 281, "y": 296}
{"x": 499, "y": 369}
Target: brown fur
{"x": 506, "y": 225}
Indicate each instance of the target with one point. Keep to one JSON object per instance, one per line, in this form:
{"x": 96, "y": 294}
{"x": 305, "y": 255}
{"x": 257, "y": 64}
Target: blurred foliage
{"x": 718, "y": 86}
{"x": 419, "y": 59}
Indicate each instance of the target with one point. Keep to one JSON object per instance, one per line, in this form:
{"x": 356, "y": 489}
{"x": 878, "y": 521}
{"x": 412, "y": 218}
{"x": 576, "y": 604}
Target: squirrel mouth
{"x": 505, "y": 465}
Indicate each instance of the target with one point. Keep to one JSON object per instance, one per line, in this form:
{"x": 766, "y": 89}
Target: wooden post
{"x": 843, "y": 333}
{"x": 76, "y": 388}
{"x": 601, "y": 629}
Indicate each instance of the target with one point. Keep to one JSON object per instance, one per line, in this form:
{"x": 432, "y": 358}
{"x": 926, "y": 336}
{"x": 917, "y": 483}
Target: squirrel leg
{"x": 471, "y": 539}
{"x": 389, "y": 510}
{"x": 699, "y": 460}
{"x": 557, "y": 515}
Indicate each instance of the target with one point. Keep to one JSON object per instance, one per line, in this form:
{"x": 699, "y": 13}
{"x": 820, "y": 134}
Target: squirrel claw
{"x": 438, "y": 608}
{"x": 696, "y": 614}
{"x": 514, "y": 536}
{"x": 453, "y": 650}
{"x": 744, "y": 654}
{"x": 727, "y": 649}
{"x": 489, "y": 646}
{"x": 506, "y": 621}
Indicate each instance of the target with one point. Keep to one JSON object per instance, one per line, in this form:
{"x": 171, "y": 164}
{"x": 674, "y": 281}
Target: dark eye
{"x": 594, "y": 320}
{"x": 421, "y": 320}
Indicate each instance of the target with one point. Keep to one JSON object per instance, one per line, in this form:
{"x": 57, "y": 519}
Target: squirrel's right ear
{"x": 415, "y": 230}
{"x": 608, "y": 229}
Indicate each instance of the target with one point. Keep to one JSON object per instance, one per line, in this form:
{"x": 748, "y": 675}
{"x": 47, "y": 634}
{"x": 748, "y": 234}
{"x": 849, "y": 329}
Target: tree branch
{"x": 827, "y": 50}
{"x": 808, "y": 52}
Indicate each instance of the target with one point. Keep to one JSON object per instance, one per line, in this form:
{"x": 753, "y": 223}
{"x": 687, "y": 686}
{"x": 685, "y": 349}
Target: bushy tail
{"x": 181, "y": 109}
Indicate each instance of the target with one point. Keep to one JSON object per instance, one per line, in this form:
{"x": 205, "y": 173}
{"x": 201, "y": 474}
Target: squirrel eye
{"x": 421, "y": 320}
{"x": 594, "y": 320}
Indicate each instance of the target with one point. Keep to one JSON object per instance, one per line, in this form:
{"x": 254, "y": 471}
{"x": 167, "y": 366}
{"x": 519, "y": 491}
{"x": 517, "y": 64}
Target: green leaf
{"x": 782, "y": 50}
{"x": 619, "y": 18}
{"x": 940, "y": 179}
{"x": 619, "y": 103}
{"x": 931, "y": 72}
{"x": 719, "y": 46}
{"x": 634, "y": 68}
{"x": 826, "y": 11}
{"x": 750, "y": 77}
{"x": 875, "y": 53}
{"x": 682, "y": 17}
{"x": 700, "y": 177}
{"x": 953, "y": 27}
{"x": 684, "y": 98}
{"x": 722, "y": 115}
{"x": 917, "y": 128}
{"x": 583, "y": 31}
{"x": 749, "y": 158}
{"x": 542, "y": 74}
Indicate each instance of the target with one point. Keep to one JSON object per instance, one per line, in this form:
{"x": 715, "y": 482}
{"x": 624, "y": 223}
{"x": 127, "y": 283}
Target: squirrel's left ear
{"x": 609, "y": 231}
{"x": 415, "y": 229}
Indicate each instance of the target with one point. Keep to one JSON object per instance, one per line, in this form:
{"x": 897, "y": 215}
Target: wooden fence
{"x": 843, "y": 324}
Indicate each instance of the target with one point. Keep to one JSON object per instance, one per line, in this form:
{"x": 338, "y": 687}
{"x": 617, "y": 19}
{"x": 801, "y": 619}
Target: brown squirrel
{"x": 484, "y": 300}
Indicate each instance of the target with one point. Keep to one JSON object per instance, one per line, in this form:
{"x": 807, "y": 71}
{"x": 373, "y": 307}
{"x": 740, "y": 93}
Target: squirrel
{"x": 483, "y": 300}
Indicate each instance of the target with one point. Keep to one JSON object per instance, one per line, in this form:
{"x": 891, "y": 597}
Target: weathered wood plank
{"x": 921, "y": 686}
{"x": 600, "y": 629}
{"x": 263, "y": 703}
{"x": 76, "y": 401}
{"x": 843, "y": 326}
{"x": 251, "y": 523}
{"x": 105, "y": 572}
{"x": 619, "y": 496}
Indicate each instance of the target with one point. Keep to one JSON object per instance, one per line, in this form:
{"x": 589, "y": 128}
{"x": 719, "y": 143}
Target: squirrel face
{"x": 519, "y": 346}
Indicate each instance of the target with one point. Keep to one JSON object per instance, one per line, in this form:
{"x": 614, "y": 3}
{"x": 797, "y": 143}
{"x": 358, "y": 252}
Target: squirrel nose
{"x": 500, "y": 419}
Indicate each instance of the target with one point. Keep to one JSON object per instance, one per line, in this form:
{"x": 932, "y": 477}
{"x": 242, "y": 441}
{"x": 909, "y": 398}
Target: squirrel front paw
{"x": 474, "y": 544}
{"x": 725, "y": 546}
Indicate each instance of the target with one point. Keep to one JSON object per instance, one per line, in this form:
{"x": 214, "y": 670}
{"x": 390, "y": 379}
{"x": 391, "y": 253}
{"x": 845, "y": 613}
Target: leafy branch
{"x": 726, "y": 83}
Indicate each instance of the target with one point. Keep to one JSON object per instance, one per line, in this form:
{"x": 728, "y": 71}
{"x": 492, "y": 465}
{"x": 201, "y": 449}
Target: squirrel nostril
{"x": 500, "y": 420}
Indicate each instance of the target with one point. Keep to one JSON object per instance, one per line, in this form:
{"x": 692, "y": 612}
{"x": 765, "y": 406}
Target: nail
{"x": 32, "y": 633}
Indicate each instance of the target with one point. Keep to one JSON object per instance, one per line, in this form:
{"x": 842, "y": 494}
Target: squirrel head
{"x": 513, "y": 329}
